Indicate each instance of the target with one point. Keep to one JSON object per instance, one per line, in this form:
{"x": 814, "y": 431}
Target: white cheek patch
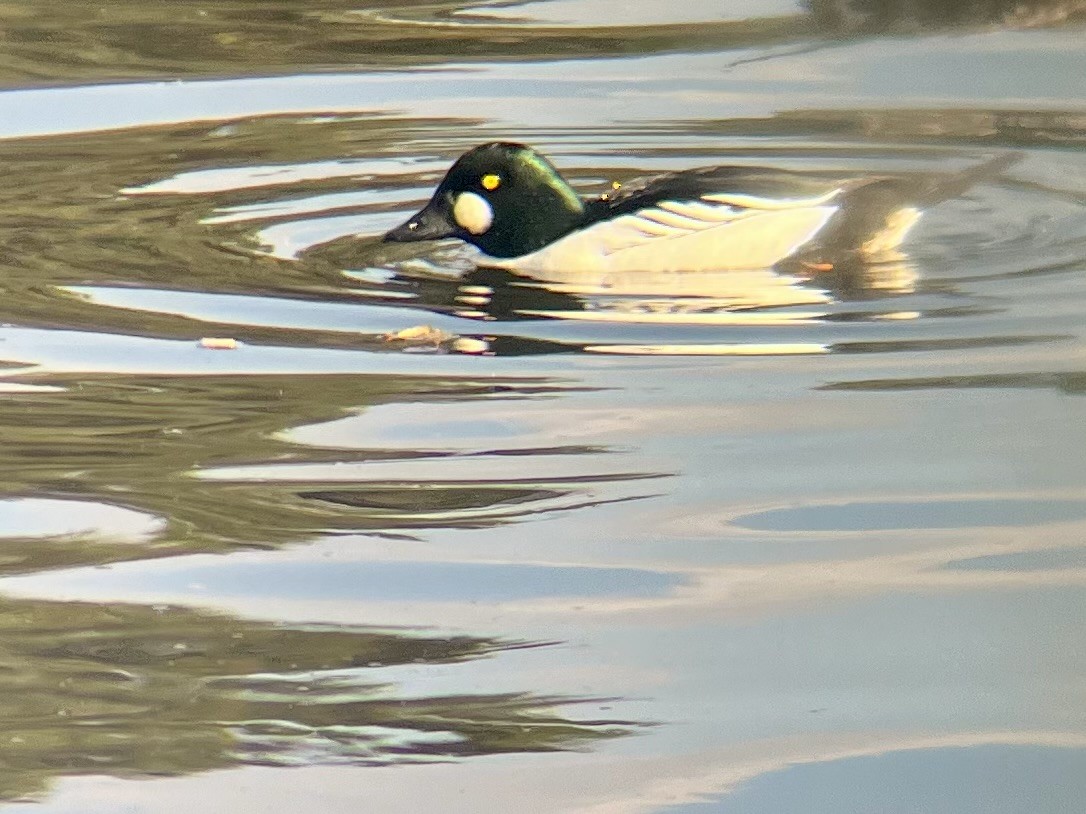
{"x": 472, "y": 213}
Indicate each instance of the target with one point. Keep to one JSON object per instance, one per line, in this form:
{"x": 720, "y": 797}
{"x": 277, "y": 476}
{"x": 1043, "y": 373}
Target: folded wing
{"x": 715, "y": 231}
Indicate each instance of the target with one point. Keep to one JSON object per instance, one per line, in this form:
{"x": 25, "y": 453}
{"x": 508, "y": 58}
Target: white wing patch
{"x": 718, "y": 232}
{"x": 754, "y": 202}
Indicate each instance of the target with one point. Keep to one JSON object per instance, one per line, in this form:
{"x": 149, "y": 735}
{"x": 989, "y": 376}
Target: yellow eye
{"x": 491, "y": 182}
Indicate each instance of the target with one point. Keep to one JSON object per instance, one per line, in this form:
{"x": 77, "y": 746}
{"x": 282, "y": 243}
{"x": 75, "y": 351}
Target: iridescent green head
{"x": 504, "y": 198}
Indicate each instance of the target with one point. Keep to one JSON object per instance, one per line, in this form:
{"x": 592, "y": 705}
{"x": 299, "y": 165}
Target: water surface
{"x": 729, "y": 542}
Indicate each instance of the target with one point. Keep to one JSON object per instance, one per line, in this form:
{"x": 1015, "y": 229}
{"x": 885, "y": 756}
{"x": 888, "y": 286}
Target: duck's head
{"x": 504, "y": 198}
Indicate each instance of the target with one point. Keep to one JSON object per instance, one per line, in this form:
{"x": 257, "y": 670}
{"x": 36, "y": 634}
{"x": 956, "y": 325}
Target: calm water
{"x": 657, "y": 543}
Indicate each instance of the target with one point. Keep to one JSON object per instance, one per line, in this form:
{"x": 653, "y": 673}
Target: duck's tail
{"x": 877, "y": 213}
{"x": 944, "y": 187}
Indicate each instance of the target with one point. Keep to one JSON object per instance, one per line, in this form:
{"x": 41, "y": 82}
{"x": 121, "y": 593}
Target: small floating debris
{"x": 419, "y": 335}
{"x": 471, "y": 346}
{"x": 218, "y": 343}
{"x": 428, "y": 338}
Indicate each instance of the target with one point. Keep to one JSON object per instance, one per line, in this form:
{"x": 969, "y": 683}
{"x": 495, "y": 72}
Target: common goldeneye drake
{"x": 511, "y": 203}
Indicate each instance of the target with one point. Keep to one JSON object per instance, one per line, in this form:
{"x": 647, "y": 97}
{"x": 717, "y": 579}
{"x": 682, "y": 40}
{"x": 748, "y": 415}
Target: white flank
{"x": 704, "y": 235}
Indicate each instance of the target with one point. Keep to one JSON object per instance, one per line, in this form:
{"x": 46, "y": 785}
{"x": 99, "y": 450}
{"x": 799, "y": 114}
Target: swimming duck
{"x": 511, "y": 203}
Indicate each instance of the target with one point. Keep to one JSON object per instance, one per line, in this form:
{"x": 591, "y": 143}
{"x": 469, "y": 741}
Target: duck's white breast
{"x": 708, "y": 235}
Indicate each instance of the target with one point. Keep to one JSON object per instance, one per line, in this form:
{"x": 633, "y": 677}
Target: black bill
{"x": 430, "y": 223}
